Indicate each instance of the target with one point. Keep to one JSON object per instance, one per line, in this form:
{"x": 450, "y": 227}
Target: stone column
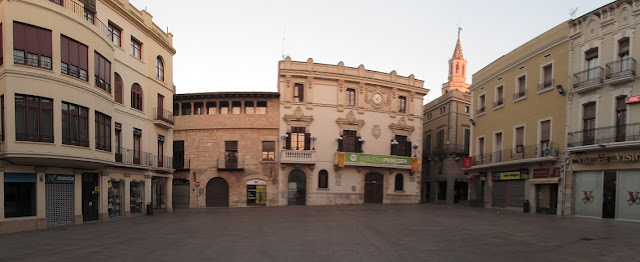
{"x": 147, "y": 190}
{"x": 41, "y": 199}
{"x": 127, "y": 195}
{"x": 77, "y": 202}
{"x": 103, "y": 199}
{"x": 169, "y": 193}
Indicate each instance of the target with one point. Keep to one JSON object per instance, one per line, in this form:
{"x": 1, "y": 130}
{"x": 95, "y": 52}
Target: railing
{"x": 480, "y": 110}
{"x": 297, "y": 156}
{"x": 546, "y": 85}
{"x": 587, "y": 79}
{"x": 621, "y": 69}
{"x": 603, "y": 135}
{"x": 498, "y": 103}
{"x": 181, "y": 164}
{"x": 230, "y": 164}
{"x": 162, "y": 161}
{"x": 450, "y": 149}
{"x": 164, "y": 115}
{"x": 134, "y": 157}
{"x": 518, "y": 153}
{"x": 79, "y": 9}
{"x": 520, "y": 94}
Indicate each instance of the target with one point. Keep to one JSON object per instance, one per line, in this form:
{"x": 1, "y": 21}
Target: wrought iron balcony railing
{"x": 546, "y": 85}
{"x": 520, "y": 94}
{"x": 230, "y": 164}
{"x": 480, "y": 110}
{"x": 604, "y": 135}
{"x": 588, "y": 79}
{"x": 621, "y": 70}
{"x": 181, "y": 164}
{"x": 518, "y": 153}
{"x": 450, "y": 149}
{"x": 164, "y": 115}
{"x": 498, "y": 103}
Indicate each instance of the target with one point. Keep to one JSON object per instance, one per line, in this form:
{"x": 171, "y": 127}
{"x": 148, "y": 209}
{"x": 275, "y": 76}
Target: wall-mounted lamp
{"x": 283, "y": 137}
{"x": 313, "y": 139}
{"x": 473, "y": 123}
{"x": 338, "y": 139}
{"x": 394, "y": 142}
{"x": 560, "y": 89}
{"x": 415, "y": 147}
{"x": 361, "y": 140}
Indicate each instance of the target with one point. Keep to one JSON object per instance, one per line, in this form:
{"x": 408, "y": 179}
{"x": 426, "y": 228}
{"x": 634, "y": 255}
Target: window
{"x": 323, "y": 179}
{"x": 440, "y": 140}
{"x": 400, "y": 146}
{"x": 520, "y": 140}
{"x": 298, "y": 139}
{"x": 186, "y": 109}
{"x": 136, "y": 96}
{"x": 443, "y": 110}
{"x": 198, "y": 108}
{"x": 1, "y": 46}
{"x": 160, "y": 110}
{"x": 402, "y": 104}
{"x": 261, "y": 108}
{"x": 497, "y": 141}
{"x": 589, "y": 123}
{"x": 231, "y": 154}
{"x": 103, "y": 132}
{"x": 351, "y": 97}
{"x": 117, "y": 89}
{"x": 114, "y": 32}
{"x": 442, "y": 190}
{"x": 176, "y": 109}
{"x": 399, "y": 185}
{"x": 224, "y": 107}
{"x": 466, "y": 109}
{"x": 591, "y": 58}
{"x": 499, "y": 96}
{"x": 212, "y": 108}
{"x": 236, "y": 107}
{"x": 429, "y": 116}
{"x": 547, "y": 77}
{"x": 350, "y": 142}
{"x": 74, "y": 58}
{"x": 102, "y": 68}
{"x": 19, "y": 195}
{"x": 136, "y": 48}
{"x": 31, "y": 45}
{"x": 621, "y": 118}
{"x": 34, "y": 118}
{"x": 623, "y": 54}
{"x": 545, "y": 137}
{"x": 89, "y": 16}
{"x": 137, "y": 136}
{"x": 268, "y": 150}
{"x": 159, "y": 68}
{"x": 160, "y": 151}
{"x": 75, "y": 125}
{"x": 467, "y": 141}
{"x": 481, "y": 104}
{"x": 298, "y": 92}
{"x": 118, "y": 141}
{"x": 178, "y": 154}
{"x": 249, "y": 107}
{"x": 481, "y": 147}
{"x": 57, "y": 1}
{"x": 427, "y": 144}
{"x": 521, "y": 87}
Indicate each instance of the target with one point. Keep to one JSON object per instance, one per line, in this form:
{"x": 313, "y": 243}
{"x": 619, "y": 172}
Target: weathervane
{"x": 459, "y": 29}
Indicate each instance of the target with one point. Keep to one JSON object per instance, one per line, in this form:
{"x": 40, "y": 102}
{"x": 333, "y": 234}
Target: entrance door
{"x": 90, "y": 195}
{"x": 426, "y": 191}
{"x": 609, "y": 195}
{"x": 297, "y": 189}
{"x": 547, "y": 195}
{"x": 373, "y": 188}
{"x": 217, "y": 192}
{"x": 181, "y": 190}
{"x": 60, "y": 199}
{"x": 157, "y": 192}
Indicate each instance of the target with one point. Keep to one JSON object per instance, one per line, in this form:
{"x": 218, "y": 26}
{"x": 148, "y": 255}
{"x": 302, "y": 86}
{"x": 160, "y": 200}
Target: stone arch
{"x": 217, "y": 193}
{"x": 297, "y": 188}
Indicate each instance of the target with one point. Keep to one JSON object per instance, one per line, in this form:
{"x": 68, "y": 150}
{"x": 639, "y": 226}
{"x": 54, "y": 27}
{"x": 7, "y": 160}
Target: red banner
{"x": 340, "y": 159}
{"x": 467, "y": 162}
{"x": 414, "y": 165}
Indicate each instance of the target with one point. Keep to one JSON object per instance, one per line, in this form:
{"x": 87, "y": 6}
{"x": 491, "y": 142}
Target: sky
{"x": 236, "y": 45}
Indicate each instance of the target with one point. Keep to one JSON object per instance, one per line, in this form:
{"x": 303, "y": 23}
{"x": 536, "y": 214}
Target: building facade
{"x": 603, "y": 176}
{"x": 518, "y": 125}
{"x": 447, "y": 134}
{"x": 349, "y": 135}
{"x": 225, "y": 149}
{"x": 74, "y": 147}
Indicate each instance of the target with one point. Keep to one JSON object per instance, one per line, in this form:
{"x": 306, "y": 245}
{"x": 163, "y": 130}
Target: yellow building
{"x": 603, "y": 176}
{"x": 349, "y": 135}
{"x": 518, "y": 125}
{"x": 83, "y": 119}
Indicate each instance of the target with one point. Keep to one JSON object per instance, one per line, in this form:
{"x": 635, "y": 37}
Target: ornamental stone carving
{"x": 298, "y": 118}
{"x": 376, "y": 131}
{"x": 401, "y": 128}
{"x": 350, "y": 122}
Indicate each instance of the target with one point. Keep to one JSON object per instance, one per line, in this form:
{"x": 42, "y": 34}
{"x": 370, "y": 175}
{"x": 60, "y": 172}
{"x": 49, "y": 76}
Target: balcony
{"x": 530, "y": 153}
{"x": 143, "y": 159}
{"x": 546, "y": 85}
{"x": 621, "y": 71}
{"x": 225, "y": 164}
{"x": 498, "y": 103}
{"x": 84, "y": 11}
{"x": 297, "y": 156}
{"x": 522, "y": 94}
{"x": 163, "y": 118}
{"x": 450, "y": 149}
{"x": 480, "y": 110}
{"x": 587, "y": 80}
{"x": 181, "y": 164}
{"x": 600, "y": 137}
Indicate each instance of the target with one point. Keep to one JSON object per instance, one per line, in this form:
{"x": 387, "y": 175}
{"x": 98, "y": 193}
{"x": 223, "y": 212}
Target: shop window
{"x": 198, "y": 108}
{"x": 31, "y": 45}
{"x": 34, "y": 118}
{"x": 256, "y": 192}
{"x": 212, "y": 108}
{"x": 186, "y": 109}
{"x": 74, "y": 58}
{"x": 298, "y": 139}
{"x": 236, "y": 107}
{"x": 249, "y": 108}
{"x": 268, "y": 150}
{"x": 102, "y": 69}
{"x": 75, "y": 125}
{"x": 137, "y": 197}
{"x": 351, "y": 97}
{"x": 103, "y": 132}
{"x": 261, "y": 107}
{"x": 442, "y": 190}
{"x": 298, "y": 92}
{"x": 117, "y": 89}
{"x": 113, "y": 33}
{"x": 402, "y": 104}
{"x": 136, "y": 48}
{"x": 323, "y": 179}
{"x": 224, "y": 107}
{"x": 19, "y": 195}
{"x": 115, "y": 198}
{"x": 136, "y": 96}
{"x": 399, "y": 185}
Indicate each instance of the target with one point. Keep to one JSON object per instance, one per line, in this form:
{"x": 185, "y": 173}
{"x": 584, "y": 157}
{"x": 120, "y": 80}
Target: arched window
{"x": 457, "y": 68}
{"x": 117, "y": 89}
{"x": 136, "y": 96}
{"x": 323, "y": 179}
{"x": 463, "y": 70}
{"x": 159, "y": 68}
{"x": 399, "y": 182}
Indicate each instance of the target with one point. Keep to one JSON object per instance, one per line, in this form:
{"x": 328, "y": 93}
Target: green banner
{"x": 377, "y": 159}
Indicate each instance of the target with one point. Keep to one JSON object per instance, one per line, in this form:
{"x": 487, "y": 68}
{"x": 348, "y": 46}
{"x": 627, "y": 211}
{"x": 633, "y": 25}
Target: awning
{"x": 545, "y": 180}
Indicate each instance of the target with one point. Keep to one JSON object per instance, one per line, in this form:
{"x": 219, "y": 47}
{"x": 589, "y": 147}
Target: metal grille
{"x": 59, "y": 203}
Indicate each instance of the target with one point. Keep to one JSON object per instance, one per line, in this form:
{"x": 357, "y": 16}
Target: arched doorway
{"x": 297, "y": 189}
{"x": 217, "y": 192}
{"x": 373, "y": 188}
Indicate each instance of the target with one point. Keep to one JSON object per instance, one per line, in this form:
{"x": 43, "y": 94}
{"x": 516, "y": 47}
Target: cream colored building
{"x": 349, "y": 135}
{"x": 603, "y": 176}
{"x": 447, "y": 135}
{"x": 518, "y": 125}
{"x": 75, "y": 147}
{"x": 225, "y": 149}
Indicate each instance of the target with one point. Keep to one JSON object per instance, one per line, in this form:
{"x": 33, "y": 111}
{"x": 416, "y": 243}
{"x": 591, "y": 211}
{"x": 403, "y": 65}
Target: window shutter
{"x": 620, "y": 104}
{"x": 519, "y": 136}
{"x": 340, "y": 147}
{"x": 591, "y": 54}
{"x": 288, "y": 141}
{"x": 64, "y": 49}
{"x": 73, "y": 53}
{"x": 408, "y": 148}
{"x": 589, "y": 111}
{"x": 301, "y": 92}
{"x": 393, "y": 150}
{"x": 45, "y": 42}
{"x": 19, "y": 32}
{"x": 307, "y": 141}
{"x": 107, "y": 76}
{"x": 358, "y": 145}
{"x": 545, "y": 127}
{"x": 623, "y": 46}
{"x": 33, "y": 39}
{"x": 82, "y": 57}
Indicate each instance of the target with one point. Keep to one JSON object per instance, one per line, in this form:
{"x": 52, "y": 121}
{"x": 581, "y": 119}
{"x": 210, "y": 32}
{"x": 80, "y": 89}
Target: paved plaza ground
{"x": 333, "y": 233}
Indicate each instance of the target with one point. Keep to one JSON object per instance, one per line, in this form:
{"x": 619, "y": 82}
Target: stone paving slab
{"x": 333, "y": 233}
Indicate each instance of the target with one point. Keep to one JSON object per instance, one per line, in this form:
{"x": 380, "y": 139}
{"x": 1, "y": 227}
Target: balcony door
{"x": 591, "y": 57}
{"x": 231, "y": 154}
{"x": 160, "y": 110}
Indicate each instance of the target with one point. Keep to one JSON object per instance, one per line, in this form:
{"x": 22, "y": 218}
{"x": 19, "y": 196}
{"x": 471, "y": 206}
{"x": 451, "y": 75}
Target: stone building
{"x": 446, "y": 133}
{"x": 518, "y": 125}
{"x": 85, "y": 136}
{"x": 225, "y": 149}
{"x": 603, "y": 174}
{"x": 349, "y": 135}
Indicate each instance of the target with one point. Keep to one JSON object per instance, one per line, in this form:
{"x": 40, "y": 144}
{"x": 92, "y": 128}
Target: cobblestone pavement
{"x": 333, "y": 233}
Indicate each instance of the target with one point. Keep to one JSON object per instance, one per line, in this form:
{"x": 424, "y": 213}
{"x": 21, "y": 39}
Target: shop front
{"x": 256, "y": 192}
{"x": 546, "y": 188}
{"x": 509, "y": 188}
{"x": 115, "y": 199}
{"x": 60, "y": 195}
{"x": 136, "y": 197}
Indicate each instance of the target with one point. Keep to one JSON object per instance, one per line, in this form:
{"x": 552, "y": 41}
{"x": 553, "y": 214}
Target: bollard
{"x": 149, "y": 209}
{"x": 525, "y": 206}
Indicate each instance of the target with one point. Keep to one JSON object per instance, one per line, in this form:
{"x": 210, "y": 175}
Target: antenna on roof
{"x": 573, "y": 11}
{"x": 284, "y": 30}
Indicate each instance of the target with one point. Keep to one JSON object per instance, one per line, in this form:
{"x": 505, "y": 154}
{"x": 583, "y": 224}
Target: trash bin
{"x": 149, "y": 210}
{"x": 525, "y": 206}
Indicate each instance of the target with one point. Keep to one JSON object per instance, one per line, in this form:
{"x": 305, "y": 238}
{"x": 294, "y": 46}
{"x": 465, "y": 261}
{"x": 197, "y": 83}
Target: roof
{"x": 226, "y": 95}
{"x": 457, "y": 53}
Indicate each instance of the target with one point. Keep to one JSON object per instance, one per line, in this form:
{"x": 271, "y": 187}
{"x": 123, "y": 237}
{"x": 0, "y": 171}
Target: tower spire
{"x": 457, "y": 70}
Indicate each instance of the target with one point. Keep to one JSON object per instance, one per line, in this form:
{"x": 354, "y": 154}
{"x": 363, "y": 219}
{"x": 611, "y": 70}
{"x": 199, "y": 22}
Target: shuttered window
{"x": 545, "y": 130}
{"x": 136, "y": 96}
{"x": 102, "y": 68}
{"x": 31, "y": 45}
{"x": 74, "y": 58}
{"x": 623, "y": 47}
{"x": 298, "y": 93}
{"x": 589, "y": 123}
{"x": 117, "y": 89}
{"x": 520, "y": 139}
{"x": 103, "y": 132}
{"x": 591, "y": 54}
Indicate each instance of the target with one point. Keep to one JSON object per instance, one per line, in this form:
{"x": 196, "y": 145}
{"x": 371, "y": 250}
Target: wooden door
{"x": 90, "y": 195}
{"x": 217, "y": 192}
{"x": 373, "y": 188}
